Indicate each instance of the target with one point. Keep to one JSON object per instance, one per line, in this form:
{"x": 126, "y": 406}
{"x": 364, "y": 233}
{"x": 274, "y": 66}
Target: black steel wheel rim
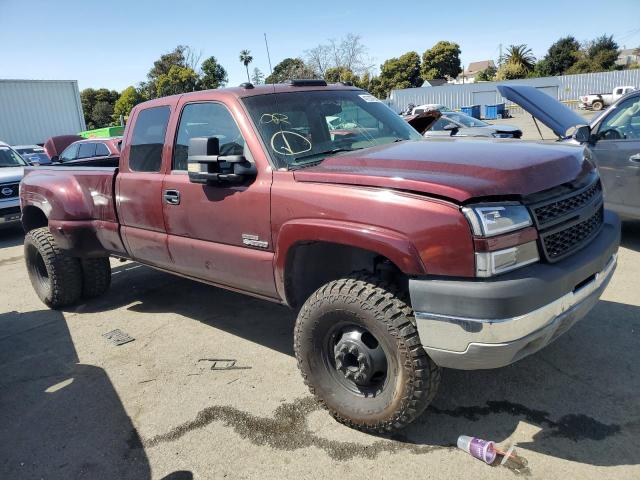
{"x": 356, "y": 359}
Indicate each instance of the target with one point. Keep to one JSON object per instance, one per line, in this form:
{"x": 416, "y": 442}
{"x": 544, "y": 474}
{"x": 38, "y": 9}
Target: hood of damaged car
{"x": 558, "y": 117}
{"x": 458, "y": 169}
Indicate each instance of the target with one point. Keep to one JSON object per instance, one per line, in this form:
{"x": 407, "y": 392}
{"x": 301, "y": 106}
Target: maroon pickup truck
{"x": 402, "y": 255}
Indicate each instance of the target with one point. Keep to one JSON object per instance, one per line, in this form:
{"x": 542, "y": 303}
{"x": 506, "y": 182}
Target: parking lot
{"x": 209, "y": 388}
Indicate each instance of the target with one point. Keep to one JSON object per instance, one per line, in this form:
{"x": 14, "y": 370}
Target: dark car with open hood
{"x": 401, "y": 255}
{"x": 611, "y": 140}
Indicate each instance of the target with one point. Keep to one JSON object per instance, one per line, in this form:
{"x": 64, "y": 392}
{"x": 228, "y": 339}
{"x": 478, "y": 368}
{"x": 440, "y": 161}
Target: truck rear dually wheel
{"x": 359, "y": 353}
{"x": 96, "y": 276}
{"x": 55, "y": 276}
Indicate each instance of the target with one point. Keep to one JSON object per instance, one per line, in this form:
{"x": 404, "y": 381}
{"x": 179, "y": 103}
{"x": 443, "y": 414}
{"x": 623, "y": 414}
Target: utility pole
{"x": 500, "y": 55}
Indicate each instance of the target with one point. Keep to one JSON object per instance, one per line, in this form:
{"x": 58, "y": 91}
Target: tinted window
{"x": 9, "y": 158}
{"x": 148, "y": 138}
{"x": 87, "y": 150}
{"x": 206, "y": 120}
{"x": 102, "y": 150}
{"x": 70, "y": 153}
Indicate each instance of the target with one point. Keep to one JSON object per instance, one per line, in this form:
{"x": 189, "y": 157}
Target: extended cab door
{"x": 139, "y": 186}
{"x": 219, "y": 233}
{"x": 617, "y": 154}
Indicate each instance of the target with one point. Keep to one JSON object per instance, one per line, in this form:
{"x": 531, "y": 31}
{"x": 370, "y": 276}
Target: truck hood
{"x": 458, "y": 169}
{"x": 558, "y": 117}
{"x": 11, "y": 174}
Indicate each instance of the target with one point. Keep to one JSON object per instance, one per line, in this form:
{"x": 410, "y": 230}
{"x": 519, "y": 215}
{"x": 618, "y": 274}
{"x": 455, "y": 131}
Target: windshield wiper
{"x": 328, "y": 152}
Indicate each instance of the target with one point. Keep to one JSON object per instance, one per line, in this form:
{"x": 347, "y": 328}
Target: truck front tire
{"x": 597, "y": 105}
{"x": 359, "y": 353}
{"x": 96, "y": 276}
{"x": 55, "y": 276}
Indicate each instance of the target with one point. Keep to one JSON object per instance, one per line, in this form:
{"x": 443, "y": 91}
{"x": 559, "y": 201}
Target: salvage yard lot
{"x": 167, "y": 405}
{"x": 72, "y": 405}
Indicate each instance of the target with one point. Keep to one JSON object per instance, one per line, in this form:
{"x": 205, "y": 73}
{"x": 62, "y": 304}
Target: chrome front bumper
{"x": 471, "y": 343}
{"x": 10, "y": 210}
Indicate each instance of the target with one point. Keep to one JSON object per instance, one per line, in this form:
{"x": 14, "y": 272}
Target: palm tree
{"x": 520, "y": 55}
{"x": 246, "y": 59}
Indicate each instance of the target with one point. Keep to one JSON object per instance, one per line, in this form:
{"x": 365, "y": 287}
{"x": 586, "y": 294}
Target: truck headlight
{"x": 493, "y": 263}
{"x": 490, "y": 220}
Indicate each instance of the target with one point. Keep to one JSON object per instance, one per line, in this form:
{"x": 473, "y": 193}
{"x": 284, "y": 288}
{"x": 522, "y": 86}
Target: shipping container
{"x": 33, "y": 110}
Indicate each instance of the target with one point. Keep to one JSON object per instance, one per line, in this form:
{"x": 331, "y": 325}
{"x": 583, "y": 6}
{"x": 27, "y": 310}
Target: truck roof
{"x": 242, "y": 91}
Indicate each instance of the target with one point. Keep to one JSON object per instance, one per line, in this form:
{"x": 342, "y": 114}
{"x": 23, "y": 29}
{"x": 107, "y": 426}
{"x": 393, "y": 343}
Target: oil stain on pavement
{"x": 288, "y": 430}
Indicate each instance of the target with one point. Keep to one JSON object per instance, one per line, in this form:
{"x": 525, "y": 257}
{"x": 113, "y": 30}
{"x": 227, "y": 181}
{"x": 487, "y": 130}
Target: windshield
{"x": 9, "y": 158}
{"x": 464, "y": 120}
{"x": 302, "y": 128}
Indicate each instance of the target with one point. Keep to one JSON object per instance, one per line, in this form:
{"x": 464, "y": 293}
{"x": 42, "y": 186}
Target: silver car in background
{"x": 457, "y": 124}
{"x": 11, "y": 172}
{"x": 611, "y": 140}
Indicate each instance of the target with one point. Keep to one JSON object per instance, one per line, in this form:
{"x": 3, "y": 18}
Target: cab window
{"x": 102, "y": 150}
{"x": 87, "y": 150}
{"x": 147, "y": 140}
{"x": 69, "y": 153}
{"x": 206, "y": 120}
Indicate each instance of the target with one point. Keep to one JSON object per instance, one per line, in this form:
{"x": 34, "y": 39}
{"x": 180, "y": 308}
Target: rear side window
{"x": 148, "y": 139}
{"x": 87, "y": 150}
{"x": 102, "y": 150}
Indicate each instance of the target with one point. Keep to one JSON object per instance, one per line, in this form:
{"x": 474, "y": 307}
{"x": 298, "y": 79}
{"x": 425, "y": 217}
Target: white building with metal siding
{"x": 33, "y": 110}
{"x": 564, "y": 88}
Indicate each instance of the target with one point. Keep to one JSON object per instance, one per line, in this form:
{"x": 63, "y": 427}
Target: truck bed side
{"x": 78, "y": 205}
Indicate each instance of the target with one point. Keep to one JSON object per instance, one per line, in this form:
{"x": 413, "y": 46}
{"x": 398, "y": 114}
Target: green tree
{"x": 129, "y": 98}
{"x": 214, "y": 75}
{"x": 246, "y": 59}
{"x": 162, "y": 66}
{"x": 288, "y": 69}
{"x": 182, "y": 56}
{"x": 441, "y": 61}
{"x": 176, "y": 80}
{"x": 486, "y": 75}
{"x": 512, "y": 71}
{"x": 401, "y": 72}
{"x": 90, "y": 98}
{"x": 341, "y": 74}
{"x": 519, "y": 55}
{"x": 599, "y": 55}
{"x": 560, "y": 57}
{"x": 101, "y": 114}
{"x": 257, "y": 77}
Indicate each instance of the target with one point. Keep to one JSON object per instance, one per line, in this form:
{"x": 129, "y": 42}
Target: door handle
{"x": 635, "y": 158}
{"x": 172, "y": 197}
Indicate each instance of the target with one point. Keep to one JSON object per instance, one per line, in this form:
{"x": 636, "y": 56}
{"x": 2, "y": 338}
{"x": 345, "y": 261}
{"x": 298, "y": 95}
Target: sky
{"x": 113, "y": 43}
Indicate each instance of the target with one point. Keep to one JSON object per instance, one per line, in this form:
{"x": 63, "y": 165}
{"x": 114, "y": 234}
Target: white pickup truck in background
{"x": 597, "y": 101}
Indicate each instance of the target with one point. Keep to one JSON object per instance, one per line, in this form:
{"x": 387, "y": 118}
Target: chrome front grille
{"x": 9, "y": 190}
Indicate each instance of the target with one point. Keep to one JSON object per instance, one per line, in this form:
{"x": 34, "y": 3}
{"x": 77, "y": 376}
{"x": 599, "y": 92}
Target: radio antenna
{"x": 266, "y": 43}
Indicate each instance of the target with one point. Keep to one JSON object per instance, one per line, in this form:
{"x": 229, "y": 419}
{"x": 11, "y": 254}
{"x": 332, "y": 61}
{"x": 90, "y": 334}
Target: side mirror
{"x": 55, "y": 159}
{"x": 582, "y": 134}
{"x": 205, "y": 165}
{"x": 451, "y": 127}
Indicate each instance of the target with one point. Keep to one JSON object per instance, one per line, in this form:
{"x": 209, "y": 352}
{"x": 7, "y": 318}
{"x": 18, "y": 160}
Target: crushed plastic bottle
{"x": 481, "y": 449}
